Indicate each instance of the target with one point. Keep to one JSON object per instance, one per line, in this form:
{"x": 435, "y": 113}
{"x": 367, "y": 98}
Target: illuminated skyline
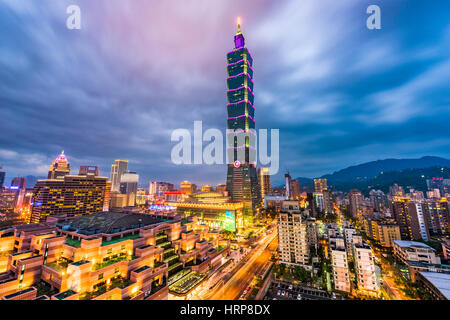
{"x": 136, "y": 71}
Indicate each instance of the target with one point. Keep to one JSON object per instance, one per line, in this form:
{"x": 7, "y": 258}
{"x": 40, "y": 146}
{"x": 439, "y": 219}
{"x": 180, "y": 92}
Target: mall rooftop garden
{"x": 109, "y": 262}
{"x": 129, "y": 237}
{"x": 118, "y": 282}
{"x": 60, "y": 265}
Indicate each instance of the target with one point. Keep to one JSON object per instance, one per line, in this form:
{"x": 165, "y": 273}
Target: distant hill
{"x": 382, "y": 172}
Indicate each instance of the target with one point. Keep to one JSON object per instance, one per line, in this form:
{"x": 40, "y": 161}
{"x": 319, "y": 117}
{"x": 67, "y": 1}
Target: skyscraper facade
{"x": 264, "y": 181}
{"x": 59, "y": 168}
{"x": 242, "y": 179}
{"x": 117, "y": 170}
{"x": 288, "y": 186}
{"x": 129, "y": 186}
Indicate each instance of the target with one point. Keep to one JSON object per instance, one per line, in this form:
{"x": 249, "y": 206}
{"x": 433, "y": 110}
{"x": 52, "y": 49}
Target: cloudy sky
{"x": 138, "y": 69}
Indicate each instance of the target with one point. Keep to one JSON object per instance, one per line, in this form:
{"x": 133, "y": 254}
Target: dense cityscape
{"x": 78, "y": 235}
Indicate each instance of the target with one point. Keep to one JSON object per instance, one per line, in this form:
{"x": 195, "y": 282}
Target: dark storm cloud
{"x": 339, "y": 93}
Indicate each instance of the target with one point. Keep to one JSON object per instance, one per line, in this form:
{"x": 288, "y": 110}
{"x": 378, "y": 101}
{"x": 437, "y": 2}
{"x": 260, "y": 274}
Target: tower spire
{"x": 239, "y": 40}
{"x": 239, "y": 31}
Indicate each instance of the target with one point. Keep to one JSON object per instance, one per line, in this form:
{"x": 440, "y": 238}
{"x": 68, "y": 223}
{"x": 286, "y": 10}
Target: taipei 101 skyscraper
{"x": 242, "y": 180}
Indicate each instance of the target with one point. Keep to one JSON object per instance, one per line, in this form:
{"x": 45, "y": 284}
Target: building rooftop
{"x": 440, "y": 280}
{"x": 108, "y": 222}
{"x": 408, "y": 244}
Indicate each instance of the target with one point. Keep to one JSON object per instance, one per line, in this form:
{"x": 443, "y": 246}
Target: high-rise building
{"x": 157, "y": 188}
{"x": 293, "y": 239}
{"x": 366, "y": 275}
{"x": 186, "y": 187}
{"x": 117, "y": 170}
{"x": 19, "y": 184}
{"x": 320, "y": 185}
{"x": 129, "y": 186}
{"x": 59, "y": 168}
{"x": 288, "y": 186}
{"x": 356, "y": 203}
{"x": 295, "y": 189}
{"x": 410, "y": 218}
{"x": 2, "y": 177}
{"x": 385, "y": 231}
{"x": 84, "y": 170}
{"x": 264, "y": 181}
{"x": 319, "y": 204}
{"x": 436, "y": 212}
{"x": 377, "y": 200}
{"x": 242, "y": 180}
{"x": 69, "y": 195}
{"x": 339, "y": 261}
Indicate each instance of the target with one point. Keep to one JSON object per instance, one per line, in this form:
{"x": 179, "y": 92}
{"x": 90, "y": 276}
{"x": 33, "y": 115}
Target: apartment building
{"x": 292, "y": 239}
{"x": 366, "y": 275}
{"x": 339, "y": 262}
{"x": 415, "y": 251}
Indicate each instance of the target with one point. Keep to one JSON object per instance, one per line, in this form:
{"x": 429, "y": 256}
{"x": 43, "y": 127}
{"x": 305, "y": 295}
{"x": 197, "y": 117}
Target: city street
{"x": 244, "y": 274}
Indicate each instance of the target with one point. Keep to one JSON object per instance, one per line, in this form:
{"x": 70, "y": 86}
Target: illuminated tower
{"x": 59, "y": 168}
{"x": 242, "y": 179}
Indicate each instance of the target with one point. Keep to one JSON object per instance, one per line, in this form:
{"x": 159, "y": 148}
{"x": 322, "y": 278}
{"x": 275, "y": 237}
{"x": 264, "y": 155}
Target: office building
{"x": 242, "y": 180}
{"x": 84, "y": 170}
{"x": 264, "y": 181}
{"x": 117, "y": 170}
{"x": 129, "y": 186}
{"x": 69, "y": 195}
{"x": 186, "y": 187}
{"x": 288, "y": 186}
{"x": 157, "y": 188}
{"x": 59, "y": 168}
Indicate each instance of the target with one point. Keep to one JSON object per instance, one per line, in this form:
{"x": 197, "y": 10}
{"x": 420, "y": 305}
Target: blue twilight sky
{"x": 339, "y": 93}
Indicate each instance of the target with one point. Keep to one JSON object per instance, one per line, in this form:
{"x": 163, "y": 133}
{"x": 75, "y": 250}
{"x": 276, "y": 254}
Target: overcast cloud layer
{"x": 339, "y": 93}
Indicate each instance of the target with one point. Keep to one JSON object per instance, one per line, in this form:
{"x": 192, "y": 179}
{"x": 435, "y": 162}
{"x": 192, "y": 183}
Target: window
{"x": 100, "y": 276}
{"x": 116, "y": 270}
